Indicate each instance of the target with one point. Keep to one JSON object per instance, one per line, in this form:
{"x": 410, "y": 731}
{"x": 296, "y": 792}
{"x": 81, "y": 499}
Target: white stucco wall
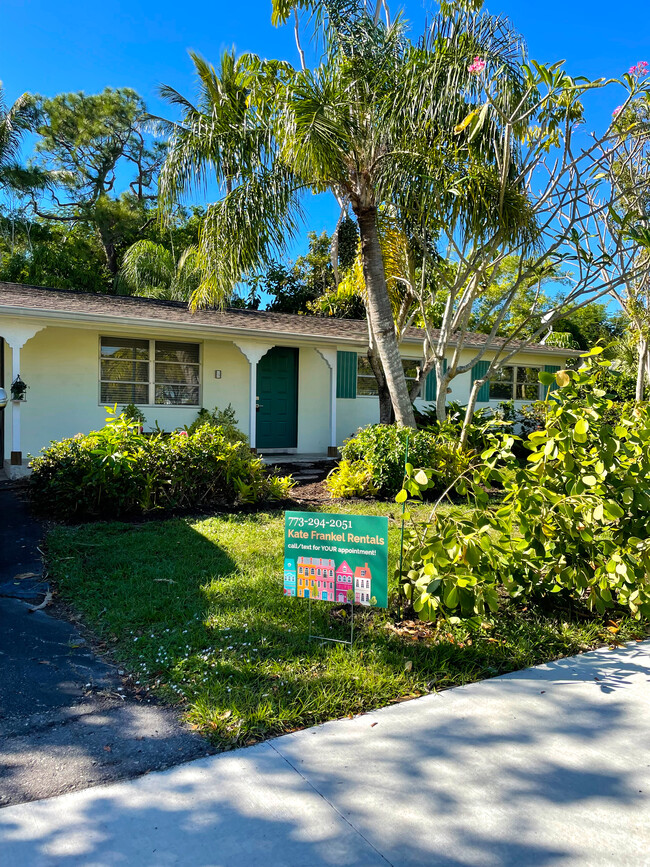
{"x": 313, "y": 402}
{"x": 61, "y": 367}
{"x": 60, "y": 364}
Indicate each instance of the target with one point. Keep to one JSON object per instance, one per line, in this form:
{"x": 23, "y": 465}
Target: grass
{"x": 194, "y": 609}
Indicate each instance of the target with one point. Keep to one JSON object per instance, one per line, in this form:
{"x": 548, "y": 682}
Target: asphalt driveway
{"x": 68, "y": 718}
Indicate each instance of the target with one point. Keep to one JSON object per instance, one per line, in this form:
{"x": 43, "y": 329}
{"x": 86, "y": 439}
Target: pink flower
{"x": 617, "y": 111}
{"x": 182, "y": 433}
{"x": 640, "y": 70}
{"x": 476, "y": 66}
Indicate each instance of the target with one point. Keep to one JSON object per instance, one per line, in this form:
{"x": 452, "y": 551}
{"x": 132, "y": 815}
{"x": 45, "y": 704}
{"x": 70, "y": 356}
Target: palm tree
{"x": 350, "y": 126}
{"x": 150, "y": 269}
{"x": 15, "y": 121}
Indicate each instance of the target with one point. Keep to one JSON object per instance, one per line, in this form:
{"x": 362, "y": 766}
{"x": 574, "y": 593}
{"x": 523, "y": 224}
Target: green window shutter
{"x": 431, "y": 386}
{"x": 478, "y": 372}
{"x": 552, "y": 368}
{"x": 346, "y": 374}
{"x": 431, "y": 383}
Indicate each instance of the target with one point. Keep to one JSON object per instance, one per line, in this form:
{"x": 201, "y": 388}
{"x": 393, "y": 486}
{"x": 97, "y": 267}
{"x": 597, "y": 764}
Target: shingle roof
{"x": 16, "y": 297}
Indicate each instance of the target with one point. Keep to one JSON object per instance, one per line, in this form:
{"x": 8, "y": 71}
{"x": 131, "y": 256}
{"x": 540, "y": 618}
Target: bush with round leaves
{"x": 574, "y": 519}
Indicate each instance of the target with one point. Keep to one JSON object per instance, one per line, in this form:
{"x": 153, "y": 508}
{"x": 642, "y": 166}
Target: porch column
{"x": 16, "y": 336}
{"x": 16, "y": 453}
{"x": 253, "y": 352}
{"x": 329, "y": 356}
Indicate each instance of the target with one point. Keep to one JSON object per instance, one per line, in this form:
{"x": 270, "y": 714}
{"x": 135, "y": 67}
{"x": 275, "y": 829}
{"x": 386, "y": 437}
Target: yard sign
{"x": 336, "y": 558}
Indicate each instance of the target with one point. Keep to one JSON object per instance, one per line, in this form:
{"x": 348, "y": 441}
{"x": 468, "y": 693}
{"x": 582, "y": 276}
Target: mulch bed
{"x": 315, "y": 492}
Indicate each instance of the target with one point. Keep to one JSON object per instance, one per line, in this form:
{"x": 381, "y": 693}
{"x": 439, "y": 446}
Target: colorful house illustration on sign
{"x": 315, "y": 578}
{"x": 344, "y": 580}
{"x": 362, "y": 584}
{"x": 289, "y": 577}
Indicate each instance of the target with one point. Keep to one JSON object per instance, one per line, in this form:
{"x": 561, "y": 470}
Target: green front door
{"x": 277, "y": 399}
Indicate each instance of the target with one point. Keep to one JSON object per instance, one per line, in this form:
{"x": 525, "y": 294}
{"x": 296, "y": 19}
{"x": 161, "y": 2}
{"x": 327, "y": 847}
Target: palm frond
{"x": 15, "y": 121}
{"x": 317, "y": 132}
{"x": 148, "y": 267}
{"x": 247, "y": 229}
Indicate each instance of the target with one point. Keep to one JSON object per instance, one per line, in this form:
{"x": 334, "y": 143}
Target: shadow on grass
{"x": 196, "y": 610}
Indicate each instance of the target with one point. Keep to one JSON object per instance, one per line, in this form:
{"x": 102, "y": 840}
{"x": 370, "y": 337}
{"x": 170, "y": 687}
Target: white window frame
{"x": 513, "y": 393}
{"x": 151, "y": 384}
{"x": 360, "y": 355}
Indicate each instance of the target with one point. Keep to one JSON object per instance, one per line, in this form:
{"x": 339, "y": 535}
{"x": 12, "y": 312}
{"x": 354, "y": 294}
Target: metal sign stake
{"x": 333, "y": 640}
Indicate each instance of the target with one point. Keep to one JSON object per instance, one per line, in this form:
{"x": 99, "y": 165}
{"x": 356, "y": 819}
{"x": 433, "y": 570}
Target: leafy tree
{"x": 591, "y": 325}
{"x": 630, "y": 220}
{"x": 549, "y": 176}
{"x": 61, "y": 255}
{"x": 90, "y": 146}
{"x": 294, "y": 287}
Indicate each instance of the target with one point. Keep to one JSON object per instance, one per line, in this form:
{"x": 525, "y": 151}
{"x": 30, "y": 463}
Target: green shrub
{"x": 224, "y": 419}
{"x": 575, "y": 518}
{"x": 119, "y": 472}
{"x": 378, "y": 453}
{"x": 485, "y": 421}
{"x": 350, "y": 479}
{"x": 131, "y": 412}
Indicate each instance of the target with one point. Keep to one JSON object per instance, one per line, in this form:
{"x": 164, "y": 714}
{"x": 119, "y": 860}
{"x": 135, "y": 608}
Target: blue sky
{"x": 51, "y": 47}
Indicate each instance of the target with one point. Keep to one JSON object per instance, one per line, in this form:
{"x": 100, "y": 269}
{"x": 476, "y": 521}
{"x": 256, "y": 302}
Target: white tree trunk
{"x": 641, "y": 368}
{"x": 469, "y": 412}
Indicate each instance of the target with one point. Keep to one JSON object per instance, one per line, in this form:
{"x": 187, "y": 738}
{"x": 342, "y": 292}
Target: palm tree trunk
{"x": 380, "y": 314}
{"x": 386, "y": 414}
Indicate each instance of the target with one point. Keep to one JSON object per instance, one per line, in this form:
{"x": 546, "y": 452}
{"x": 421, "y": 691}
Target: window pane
{"x": 123, "y": 393}
{"x": 364, "y": 368}
{"x": 367, "y": 385}
{"x": 366, "y": 382}
{"x": 504, "y": 375}
{"x": 528, "y": 374}
{"x": 183, "y": 373}
{"x": 187, "y": 353}
{"x": 125, "y": 371}
{"x": 124, "y": 347}
{"x": 527, "y": 383}
{"x": 410, "y": 368}
{"x": 500, "y": 391}
{"x": 530, "y": 391}
{"x": 177, "y": 395}
{"x": 501, "y": 384}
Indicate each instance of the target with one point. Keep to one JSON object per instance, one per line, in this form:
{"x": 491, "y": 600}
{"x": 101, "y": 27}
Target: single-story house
{"x": 297, "y": 383}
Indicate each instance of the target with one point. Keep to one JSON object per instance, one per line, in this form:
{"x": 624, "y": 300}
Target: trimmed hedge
{"x": 119, "y": 472}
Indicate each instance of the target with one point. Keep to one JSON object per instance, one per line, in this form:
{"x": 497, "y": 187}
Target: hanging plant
{"x": 18, "y": 389}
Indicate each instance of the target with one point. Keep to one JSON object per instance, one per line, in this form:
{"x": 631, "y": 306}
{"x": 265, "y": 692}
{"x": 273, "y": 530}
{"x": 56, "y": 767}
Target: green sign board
{"x": 336, "y": 558}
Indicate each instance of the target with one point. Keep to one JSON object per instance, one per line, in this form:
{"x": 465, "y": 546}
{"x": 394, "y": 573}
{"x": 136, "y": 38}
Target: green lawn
{"x": 194, "y": 610}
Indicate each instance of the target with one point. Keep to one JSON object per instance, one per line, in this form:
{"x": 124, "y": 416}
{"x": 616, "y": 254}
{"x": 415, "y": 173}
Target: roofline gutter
{"x": 233, "y": 331}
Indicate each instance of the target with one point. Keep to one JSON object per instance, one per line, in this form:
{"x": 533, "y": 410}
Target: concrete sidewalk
{"x": 549, "y": 766}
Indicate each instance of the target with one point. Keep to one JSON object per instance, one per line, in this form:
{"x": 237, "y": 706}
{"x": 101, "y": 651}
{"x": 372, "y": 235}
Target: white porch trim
{"x": 253, "y": 352}
{"x": 16, "y": 336}
{"x": 329, "y": 356}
